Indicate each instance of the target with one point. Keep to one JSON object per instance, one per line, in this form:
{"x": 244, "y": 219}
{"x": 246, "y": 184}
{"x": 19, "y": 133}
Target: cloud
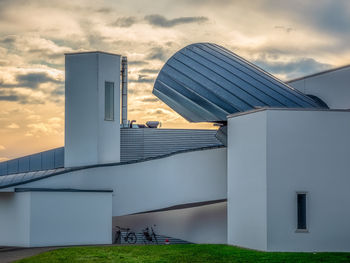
{"x": 33, "y": 80}
{"x": 294, "y": 68}
{"x": 13, "y": 126}
{"x": 285, "y": 29}
{"x": 150, "y": 99}
{"x": 161, "y": 21}
{"x": 125, "y": 21}
{"x": 34, "y": 48}
{"x": 157, "y": 21}
{"x": 42, "y": 128}
{"x": 137, "y": 62}
{"x": 149, "y": 71}
{"x": 15, "y": 96}
{"x": 157, "y": 53}
{"x": 9, "y": 98}
{"x": 142, "y": 79}
{"x": 104, "y": 10}
{"x": 8, "y": 40}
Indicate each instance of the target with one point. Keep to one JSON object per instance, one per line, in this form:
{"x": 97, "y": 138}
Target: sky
{"x": 286, "y": 38}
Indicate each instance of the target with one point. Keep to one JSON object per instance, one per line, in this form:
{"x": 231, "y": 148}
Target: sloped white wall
{"x": 178, "y": 179}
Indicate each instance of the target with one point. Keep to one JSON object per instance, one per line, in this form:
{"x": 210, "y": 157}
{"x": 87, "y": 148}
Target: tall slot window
{"x": 301, "y": 210}
{"x": 109, "y": 101}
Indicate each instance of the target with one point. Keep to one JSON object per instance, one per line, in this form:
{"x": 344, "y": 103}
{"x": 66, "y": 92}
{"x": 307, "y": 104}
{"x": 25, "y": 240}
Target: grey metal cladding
{"x": 50, "y": 159}
{"x": 206, "y": 82}
{"x": 138, "y": 144}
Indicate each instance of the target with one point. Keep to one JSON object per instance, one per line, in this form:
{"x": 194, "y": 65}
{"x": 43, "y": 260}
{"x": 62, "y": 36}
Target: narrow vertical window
{"x": 109, "y": 101}
{"x": 301, "y": 210}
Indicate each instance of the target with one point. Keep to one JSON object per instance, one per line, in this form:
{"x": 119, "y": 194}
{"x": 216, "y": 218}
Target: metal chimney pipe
{"x": 124, "y": 72}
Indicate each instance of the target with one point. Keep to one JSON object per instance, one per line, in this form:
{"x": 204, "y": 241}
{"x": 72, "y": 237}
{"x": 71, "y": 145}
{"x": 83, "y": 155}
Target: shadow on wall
{"x": 204, "y": 224}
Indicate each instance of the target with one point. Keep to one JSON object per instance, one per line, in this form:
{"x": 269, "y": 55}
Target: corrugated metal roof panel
{"x": 139, "y": 144}
{"x": 206, "y": 82}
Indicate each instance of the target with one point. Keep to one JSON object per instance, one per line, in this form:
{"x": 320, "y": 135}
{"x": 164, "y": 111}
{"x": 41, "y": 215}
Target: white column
{"x": 92, "y": 131}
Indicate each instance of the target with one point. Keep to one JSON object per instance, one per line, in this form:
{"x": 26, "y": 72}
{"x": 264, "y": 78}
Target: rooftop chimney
{"x": 124, "y": 73}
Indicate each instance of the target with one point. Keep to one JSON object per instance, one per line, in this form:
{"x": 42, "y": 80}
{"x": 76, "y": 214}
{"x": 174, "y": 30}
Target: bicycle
{"x": 149, "y": 237}
{"x": 129, "y": 237}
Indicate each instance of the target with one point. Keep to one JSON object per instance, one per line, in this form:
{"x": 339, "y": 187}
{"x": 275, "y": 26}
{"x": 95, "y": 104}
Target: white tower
{"x": 92, "y": 108}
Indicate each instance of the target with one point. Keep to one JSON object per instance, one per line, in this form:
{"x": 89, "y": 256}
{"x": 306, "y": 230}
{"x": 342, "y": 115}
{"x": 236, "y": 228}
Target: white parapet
{"x": 274, "y": 156}
{"x": 54, "y": 217}
{"x": 330, "y": 86}
{"x": 92, "y": 109}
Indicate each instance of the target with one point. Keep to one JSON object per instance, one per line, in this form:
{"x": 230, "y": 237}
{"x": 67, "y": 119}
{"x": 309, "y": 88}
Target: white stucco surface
{"x": 308, "y": 151}
{"x": 246, "y": 181}
{"x": 14, "y": 219}
{"x": 32, "y": 219}
{"x": 303, "y": 151}
{"x": 332, "y": 87}
{"x": 89, "y": 139}
{"x": 70, "y": 218}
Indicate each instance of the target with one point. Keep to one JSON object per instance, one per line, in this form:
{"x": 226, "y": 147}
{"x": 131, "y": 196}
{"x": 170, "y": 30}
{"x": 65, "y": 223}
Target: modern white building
{"x": 273, "y": 177}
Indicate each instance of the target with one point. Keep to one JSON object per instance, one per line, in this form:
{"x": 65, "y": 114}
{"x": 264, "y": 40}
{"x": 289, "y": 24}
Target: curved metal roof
{"x": 204, "y": 82}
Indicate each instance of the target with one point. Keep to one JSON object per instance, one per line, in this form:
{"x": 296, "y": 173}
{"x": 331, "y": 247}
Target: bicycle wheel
{"x": 117, "y": 238}
{"x": 155, "y": 238}
{"x": 131, "y": 238}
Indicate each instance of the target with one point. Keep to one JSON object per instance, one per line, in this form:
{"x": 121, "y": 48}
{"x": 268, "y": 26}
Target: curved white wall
{"x": 181, "y": 178}
{"x": 203, "y": 224}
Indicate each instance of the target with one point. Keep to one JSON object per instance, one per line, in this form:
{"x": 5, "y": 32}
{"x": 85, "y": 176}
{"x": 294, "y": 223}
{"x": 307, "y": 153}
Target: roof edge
{"x": 66, "y": 190}
{"x": 318, "y": 73}
{"x": 91, "y": 52}
{"x": 284, "y": 109}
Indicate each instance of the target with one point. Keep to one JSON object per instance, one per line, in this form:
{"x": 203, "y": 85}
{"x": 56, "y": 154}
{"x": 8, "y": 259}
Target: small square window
{"x": 109, "y": 101}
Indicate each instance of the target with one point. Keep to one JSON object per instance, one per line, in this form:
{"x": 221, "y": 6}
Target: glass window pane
{"x": 109, "y": 101}
{"x": 301, "y": 203}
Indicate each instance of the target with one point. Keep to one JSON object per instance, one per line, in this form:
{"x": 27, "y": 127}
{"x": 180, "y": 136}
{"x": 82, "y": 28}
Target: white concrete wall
{"x": 14, "y": 219}
{"x": 70, "y": 218}
{"x": 308, "y": 151}
{"x": 203, "y": 224}
{"x": 178, "y": 179}
{"x": 108, "y": 131}
{"x": 246, "y": 181}
{"x": 31, "y": 219}
{"x": 332, "y": 87}
{"x": 89, "y": 139}
{"x": 303, "y": 151}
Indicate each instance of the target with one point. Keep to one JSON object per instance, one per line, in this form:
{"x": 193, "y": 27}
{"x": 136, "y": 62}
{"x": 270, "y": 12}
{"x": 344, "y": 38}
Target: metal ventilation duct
{"x": 205, "y": 82}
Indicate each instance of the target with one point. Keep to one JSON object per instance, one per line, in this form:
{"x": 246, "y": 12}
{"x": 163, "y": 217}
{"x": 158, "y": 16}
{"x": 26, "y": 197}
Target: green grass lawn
{"x": 179, "y": 253}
